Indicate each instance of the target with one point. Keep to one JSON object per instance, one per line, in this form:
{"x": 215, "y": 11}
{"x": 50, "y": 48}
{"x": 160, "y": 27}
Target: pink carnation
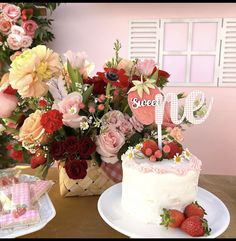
{"x": 109, "y": 143}
{"x": 113, "y": 118}
{"x": 138, "y": 126}
{"x": 11, "y": 12}
{"x": 126, "y": 128}
{"x": 30, "y": 27}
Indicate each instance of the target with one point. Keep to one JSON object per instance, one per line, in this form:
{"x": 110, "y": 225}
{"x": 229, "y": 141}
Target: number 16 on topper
{"x": 189, "y": 107}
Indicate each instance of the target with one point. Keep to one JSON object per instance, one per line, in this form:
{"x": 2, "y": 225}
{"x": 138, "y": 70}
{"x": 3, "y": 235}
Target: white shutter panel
{"x": 144, "y": 39}
{"x": 227, "y": 73}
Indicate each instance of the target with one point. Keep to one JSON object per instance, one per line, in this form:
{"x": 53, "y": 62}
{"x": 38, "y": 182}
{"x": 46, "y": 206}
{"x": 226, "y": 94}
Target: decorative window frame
{"x": 146, "y": 37}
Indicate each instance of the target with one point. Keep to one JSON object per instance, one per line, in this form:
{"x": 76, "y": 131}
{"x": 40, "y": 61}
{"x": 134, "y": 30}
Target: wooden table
{"x": 78, "y": 217}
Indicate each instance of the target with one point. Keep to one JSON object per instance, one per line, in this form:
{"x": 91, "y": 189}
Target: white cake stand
{"x": 110, "y": 209}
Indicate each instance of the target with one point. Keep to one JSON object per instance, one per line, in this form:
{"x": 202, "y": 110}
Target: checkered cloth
{"x": 113, "y": 171}
{"x": 30, "y": 217}
{"x": 21, "y": 194}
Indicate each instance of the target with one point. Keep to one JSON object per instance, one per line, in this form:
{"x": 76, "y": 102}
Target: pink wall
{"x": 93, "y": 28}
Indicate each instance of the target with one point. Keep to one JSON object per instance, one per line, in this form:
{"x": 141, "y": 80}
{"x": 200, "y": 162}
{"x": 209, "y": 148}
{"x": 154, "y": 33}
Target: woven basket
{"x": 95, "y": 182}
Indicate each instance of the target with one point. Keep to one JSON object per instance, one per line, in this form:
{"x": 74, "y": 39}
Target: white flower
{"x": 177, "y": 158}
{"x": 84, "y": 125}
{"x": 130, "y": 153}
{"x": 187, "y": 153}
{"x": 139, "y": 146}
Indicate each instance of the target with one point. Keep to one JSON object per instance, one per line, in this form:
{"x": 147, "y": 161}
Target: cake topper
{"x": 148, "y": 105}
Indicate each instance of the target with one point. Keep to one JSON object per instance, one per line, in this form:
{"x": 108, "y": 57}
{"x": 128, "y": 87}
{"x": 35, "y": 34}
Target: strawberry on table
{"x": 195, "y": 226}
{"x": 172, "y": 218}
{"x": 194, "y": 209}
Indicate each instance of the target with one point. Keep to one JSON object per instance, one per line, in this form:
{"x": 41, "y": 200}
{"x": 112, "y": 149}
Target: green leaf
{"x": 155, "y": 75}
{"x": 87, "y": 93}
{"x": 122, "y": 150}
{"x": 73, "y": 75}
{"x": 135, "y": 139}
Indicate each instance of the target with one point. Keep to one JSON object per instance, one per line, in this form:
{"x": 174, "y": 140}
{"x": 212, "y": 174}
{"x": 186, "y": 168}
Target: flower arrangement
{"x": 61, "y": 113}
{"x": 22, "y": 25}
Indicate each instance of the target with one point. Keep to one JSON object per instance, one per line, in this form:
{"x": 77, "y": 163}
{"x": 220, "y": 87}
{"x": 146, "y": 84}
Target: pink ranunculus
{"x": 137, "y": 125}
{"x": 146, "y": 66}
{"x": 11, "y": 12}
{"x": 70, "y": 106}
{"x": 109, "y": 143}
{"x": 30, "y": 27}
{"x": 166, "y": 118}
{"x": 15, "y": 29}
{"x": 113, "y": 118}
{"x": 5, "y": 26}
{"x": 14, "y": 41}
{"x": 26, "y": 41}
{"x": 8, "y": 104}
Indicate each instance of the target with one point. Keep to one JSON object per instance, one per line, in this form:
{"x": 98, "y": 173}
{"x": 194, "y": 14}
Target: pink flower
{"x": 69, "y": 106}
{"x": 8, "y": 104}
{"x": 166, "y": 119}
{"x": 113, "y": 118}
{"x": 2, "y": 5}
{"x": 17, "y": 30}
{"x": 109, "y": 143}
{"x": 14, "y": 41}
{"x": 138, "y": 126}
{"x": 30, "y": 27}
{"x": 126, "y": 128}
{"x": 26, "y": 41}
{"x": 146, "y": 66}
{"x": 5, "y": 26}
{"x": 11, "y": 12}
{"x": 79, "y": 61}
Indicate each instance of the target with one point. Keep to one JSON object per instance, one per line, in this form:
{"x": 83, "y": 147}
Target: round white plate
{"x": 110, "y": 209}
{"x": 46, "y": 210}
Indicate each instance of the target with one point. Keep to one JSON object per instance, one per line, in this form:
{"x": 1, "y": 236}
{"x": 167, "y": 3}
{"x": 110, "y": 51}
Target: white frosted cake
{"x": 148, "y": 187}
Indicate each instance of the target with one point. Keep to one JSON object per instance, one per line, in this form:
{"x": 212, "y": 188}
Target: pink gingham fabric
{"x": 21, "y": 194}
{"x": 39, "y": 188}
{"x": 113, "y": 171}
{"x": 30, "y": 217}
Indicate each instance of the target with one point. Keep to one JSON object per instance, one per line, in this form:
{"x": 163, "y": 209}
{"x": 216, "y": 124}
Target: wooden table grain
{"x": 78, "y": 217}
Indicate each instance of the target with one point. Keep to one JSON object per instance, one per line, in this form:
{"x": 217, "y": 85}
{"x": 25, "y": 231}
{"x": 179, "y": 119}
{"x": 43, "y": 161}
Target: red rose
{"x": 17, "y": 155}
{"x": 57, "y": 150}
{"x": 99, "y": 86}
{"x": 76, "y": 169}
{"x": 174, "y": 149}
{"x": 86, "y": 147}
{"x": 52, "y": 121}
{"x": 71, "y": 145}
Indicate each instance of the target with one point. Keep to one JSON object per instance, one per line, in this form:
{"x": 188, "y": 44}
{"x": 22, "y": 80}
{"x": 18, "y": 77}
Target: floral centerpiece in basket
{"x": 62, "y": 114}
